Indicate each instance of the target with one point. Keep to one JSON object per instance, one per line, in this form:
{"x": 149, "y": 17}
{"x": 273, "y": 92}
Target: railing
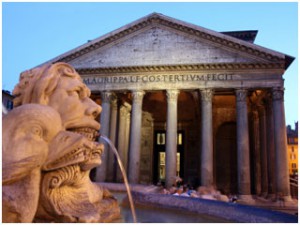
{"x": 294, "y": 187}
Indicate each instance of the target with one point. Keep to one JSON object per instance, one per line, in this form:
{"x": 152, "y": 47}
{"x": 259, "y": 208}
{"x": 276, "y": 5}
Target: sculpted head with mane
{"x": 47, "y": 162}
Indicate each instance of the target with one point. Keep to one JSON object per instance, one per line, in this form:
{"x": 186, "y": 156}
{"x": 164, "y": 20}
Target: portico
{"x": 181, "y": 100}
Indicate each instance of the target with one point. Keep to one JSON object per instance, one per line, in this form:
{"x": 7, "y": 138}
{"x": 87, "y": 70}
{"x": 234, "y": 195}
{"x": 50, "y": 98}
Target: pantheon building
{"x": 180, "y": 100}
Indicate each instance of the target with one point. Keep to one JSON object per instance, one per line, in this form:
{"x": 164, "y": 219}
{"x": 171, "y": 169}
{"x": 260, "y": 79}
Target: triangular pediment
{"x": 157, "y": 40}
{"x": 158, "y": 46}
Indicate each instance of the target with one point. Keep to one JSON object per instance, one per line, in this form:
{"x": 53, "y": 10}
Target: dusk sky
{"x": 33, "y": 33}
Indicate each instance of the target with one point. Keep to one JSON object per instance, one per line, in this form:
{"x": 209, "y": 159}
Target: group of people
{"x": 185, "y": 190}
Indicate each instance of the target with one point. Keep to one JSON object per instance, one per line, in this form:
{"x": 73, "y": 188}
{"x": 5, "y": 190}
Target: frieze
{"x": 157, "y": 78}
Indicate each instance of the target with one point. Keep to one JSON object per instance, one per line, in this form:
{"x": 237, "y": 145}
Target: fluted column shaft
{"x": 206, "y": 138}
{"x": 282, "y": 174}
{"x": 243, "y": 144}
{"x": 106, "y": 97}
{"x": 135, "y": 137}
{"x": 112, "y": 136}
{"x": 171, "y": 140}
{"x": 263, "y": 150}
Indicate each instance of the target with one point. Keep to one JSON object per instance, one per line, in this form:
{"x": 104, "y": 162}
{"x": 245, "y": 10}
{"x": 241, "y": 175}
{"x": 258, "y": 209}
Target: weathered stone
{"x": 27, "y": 131}
{"x": 66, "y": 193}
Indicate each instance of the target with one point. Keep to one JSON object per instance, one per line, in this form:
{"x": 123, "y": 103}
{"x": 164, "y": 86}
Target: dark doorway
{"x": 226, "y": 159}
{"x": 160, "y": 152}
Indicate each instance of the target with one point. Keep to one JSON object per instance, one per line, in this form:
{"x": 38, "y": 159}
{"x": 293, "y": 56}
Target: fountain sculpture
{"x": 49, "y": 149}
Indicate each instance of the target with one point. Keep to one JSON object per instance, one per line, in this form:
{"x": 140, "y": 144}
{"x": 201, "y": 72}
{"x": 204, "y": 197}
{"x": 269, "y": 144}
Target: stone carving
{"x": 277, "y": 94}
{"x": 107, "y": 96}
{"x": 27, "y": 131}
{"x": 172, "y": 95}
{"x": 207, "y": 95}
{"x": 137, "y": 97}
{"x": 241, "y": 95}
{"x": 66, "y": 193}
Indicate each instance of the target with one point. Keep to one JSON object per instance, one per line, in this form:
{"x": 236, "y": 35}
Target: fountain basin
{"x": 227, "y": 211}
{"x": 145, "y": 198}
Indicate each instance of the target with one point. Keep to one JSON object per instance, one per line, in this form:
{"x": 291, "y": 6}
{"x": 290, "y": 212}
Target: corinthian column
{"x": 257, "y": 164}
{"x": 282, "y": 174}
{"x": 123, "y": 138}
{"x": 271, "y": 151}
{"x": 106, "y": 97}
{"x": 244, "y": 188}
{"x": 135, "y": 137}
{"x": 171, "y": 142}
{"x": 206, "y": 138}
{"x": 112, "y": 136}
{"x": 263, "y": 150}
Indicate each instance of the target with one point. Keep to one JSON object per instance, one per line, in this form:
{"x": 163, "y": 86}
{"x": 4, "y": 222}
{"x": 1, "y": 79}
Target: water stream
{"x": 113, "y": 148}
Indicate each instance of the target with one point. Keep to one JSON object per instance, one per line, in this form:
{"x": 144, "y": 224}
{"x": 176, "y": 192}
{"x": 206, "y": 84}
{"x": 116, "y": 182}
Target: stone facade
{"x": 211, "y": 94}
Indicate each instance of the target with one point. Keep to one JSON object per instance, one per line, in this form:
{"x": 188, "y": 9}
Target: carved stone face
{"x": 69, "y": 148}
{"x": 77, "y": 110}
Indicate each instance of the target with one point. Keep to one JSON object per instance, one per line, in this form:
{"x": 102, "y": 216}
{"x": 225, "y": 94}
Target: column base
{"x": 286, "y": 201}
{"x": 246, "y": 199}
{"x": 264, "y": 195}
{"x": 272, "y": 197}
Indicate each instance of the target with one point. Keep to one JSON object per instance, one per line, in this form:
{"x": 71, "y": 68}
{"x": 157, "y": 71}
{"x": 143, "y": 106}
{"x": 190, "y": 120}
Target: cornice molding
{"x": 156, "y": 20}
{"x": 191, "y": 67}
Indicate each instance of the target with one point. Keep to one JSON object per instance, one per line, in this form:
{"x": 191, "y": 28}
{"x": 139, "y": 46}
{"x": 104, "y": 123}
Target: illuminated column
{"x": 127, "y": 136}
{"x": 112, "y": 137}
{"x": 171, "y": 139}
{"x": 135, "y": 137}
{"x": 263, "y": 150}
{"x": 106, "y": 97}
{"x": 124, "y": 113}
{"x": 206, "y": 138}
{"x": 282, "y": 174}
{"x": 244, "y": 189}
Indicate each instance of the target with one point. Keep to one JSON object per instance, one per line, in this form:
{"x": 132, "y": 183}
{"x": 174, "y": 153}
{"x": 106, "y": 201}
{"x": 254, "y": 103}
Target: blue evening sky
{"x": 33, "y": 33}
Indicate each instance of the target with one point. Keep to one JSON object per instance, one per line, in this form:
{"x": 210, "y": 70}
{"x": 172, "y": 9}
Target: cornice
{"x": 157, "y": 19}
{"x": 192, "y": 67}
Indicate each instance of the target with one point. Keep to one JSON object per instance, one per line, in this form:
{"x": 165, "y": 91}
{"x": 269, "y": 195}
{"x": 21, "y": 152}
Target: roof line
{"x": 157, "y": 18}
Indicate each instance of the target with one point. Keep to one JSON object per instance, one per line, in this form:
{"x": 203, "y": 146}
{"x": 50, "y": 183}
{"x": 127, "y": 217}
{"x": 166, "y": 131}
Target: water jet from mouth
{"x": 113, "y": 148}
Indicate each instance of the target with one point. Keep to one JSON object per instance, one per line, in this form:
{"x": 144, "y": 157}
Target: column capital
{"x": 277, "y": 94}
{"x": 241, "y": 95}
{"x": 114, "y": 103}
{"x": 172, "y": 95}
{"x": 107, "y": 96}
{"x": 207, "y": 94}
{"x": 137, "y": 96}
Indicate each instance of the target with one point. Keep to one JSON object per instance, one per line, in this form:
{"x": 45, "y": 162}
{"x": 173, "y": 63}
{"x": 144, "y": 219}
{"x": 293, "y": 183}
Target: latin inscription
{"x": 157, "y": 78}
